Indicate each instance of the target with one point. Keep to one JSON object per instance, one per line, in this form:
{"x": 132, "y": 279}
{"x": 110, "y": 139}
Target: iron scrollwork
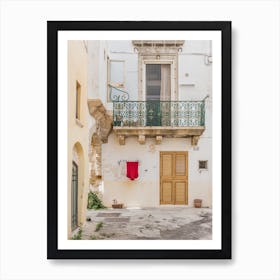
{"x": 159, "y": 113}
{"x": 117, "y": 94}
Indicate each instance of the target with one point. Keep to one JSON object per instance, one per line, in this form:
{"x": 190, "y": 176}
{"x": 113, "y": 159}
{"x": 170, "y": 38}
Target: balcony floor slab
{"x": 153, "y": 131}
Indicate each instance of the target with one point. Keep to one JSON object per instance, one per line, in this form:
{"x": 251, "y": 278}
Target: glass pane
{"x": 153, "y": 81}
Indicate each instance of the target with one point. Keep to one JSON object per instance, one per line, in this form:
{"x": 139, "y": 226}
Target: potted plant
{"x": 118, "y": 121}
{"x": 197, "y": 203}
{"x": 116, "y": 204}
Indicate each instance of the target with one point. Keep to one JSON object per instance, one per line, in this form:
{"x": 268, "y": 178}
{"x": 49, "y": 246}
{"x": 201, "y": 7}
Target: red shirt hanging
{"x": 132, "y": 170}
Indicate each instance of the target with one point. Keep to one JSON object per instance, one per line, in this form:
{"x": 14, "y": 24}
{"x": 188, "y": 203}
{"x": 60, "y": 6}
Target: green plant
{"x": 93, "y": 237}
{"x": 99, "y": 226}
{"x": 94, "y": 202}
{"x": 108, "y": 235}
{"x": 78, "y": 236}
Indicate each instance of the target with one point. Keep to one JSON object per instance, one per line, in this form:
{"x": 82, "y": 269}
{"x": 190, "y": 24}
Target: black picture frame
{"x": 53, "y": 27}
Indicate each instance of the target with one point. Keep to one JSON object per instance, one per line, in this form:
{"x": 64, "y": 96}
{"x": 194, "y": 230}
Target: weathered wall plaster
{"x": 77, "y": 131}
{"x": 145, "y": 191}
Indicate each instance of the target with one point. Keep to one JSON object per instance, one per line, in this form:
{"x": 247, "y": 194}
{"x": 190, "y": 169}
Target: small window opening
{"x": 78, "y": 101}
{"x": 203, "y": 164}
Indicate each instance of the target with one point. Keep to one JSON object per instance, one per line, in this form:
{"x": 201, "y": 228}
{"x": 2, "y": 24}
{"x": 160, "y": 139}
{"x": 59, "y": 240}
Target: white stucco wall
{"x": 77, "y": 129}
{"x": 124, "y": 50}
{"x": 145, "y": 191}
{"x": 195, "y": 73}
{"x": 97, "y": 70}
{"x": 195, "y": 77}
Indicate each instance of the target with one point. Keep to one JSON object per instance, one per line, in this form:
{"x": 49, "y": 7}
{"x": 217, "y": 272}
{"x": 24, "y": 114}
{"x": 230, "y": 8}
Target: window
{"x": 116, "y": 79}
{"x": 203, "y": 164}
{"x": 165, "y": 54}
{"x": 78, "y": 100}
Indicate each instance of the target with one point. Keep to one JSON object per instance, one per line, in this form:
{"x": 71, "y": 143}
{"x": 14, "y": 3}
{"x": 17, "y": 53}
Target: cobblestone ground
{"x": 149, "y": 223}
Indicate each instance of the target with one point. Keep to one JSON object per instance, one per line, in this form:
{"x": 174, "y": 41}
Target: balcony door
{"x": 158, "y": 88}
{"x": 174, "y": 178}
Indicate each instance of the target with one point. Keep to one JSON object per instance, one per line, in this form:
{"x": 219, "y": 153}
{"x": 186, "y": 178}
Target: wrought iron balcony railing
{"x": 159, "y": 113}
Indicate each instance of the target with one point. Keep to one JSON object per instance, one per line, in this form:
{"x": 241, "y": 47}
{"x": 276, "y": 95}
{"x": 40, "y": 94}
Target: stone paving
{"x": 167, "y": 223}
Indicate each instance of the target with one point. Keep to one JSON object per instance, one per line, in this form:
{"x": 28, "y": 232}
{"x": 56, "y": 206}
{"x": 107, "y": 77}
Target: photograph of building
{"x": 140, "y": 139}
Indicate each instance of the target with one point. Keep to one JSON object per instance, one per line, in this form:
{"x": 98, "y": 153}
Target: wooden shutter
{"x": 180, "y": 192}
{"x": 167, "y": 165}
{"x": 167, "y": 189}
{"x": 180, "y": 165}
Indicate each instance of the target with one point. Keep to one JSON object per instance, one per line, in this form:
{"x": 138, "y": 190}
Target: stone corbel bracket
{"x": 104, "y": 121}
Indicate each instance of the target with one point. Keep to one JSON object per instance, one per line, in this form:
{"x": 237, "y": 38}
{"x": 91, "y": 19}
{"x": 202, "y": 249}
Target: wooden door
{"x": 174, "y": 178}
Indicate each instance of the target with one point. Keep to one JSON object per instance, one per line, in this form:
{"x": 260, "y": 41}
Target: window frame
{"x": 78, "y": 93}
{"x": 109, "y": 84}
{"x": 145, "y": 77}
{"x": 172, "y": 60}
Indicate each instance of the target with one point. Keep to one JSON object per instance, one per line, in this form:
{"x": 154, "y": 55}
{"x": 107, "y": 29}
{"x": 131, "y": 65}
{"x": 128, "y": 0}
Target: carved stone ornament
{"x": 102, "y": 118}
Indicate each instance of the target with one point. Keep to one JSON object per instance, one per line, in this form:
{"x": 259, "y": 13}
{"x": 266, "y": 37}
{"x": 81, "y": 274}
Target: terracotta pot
{"x": 118, "y": 205}
{"x": 197, "y": 203}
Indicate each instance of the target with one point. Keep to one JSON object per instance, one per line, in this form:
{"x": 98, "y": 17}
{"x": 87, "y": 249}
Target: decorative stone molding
{"x": 95, "y": 159}
{"x": 103, "y": 119}
{"x": 158, "y": 52}
{"x": 154, "y": 46}
{"x": 103, "y": 128}
{"x": 153, "y": 131}
{"x": 158, "y": 132}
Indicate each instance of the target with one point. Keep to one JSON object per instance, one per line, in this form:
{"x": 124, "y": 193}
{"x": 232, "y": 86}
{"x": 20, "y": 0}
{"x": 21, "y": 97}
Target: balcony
{"x": 158, "y": 119}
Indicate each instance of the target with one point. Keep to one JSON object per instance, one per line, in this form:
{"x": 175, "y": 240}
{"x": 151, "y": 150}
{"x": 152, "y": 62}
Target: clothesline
{"x": 123, "y": 160}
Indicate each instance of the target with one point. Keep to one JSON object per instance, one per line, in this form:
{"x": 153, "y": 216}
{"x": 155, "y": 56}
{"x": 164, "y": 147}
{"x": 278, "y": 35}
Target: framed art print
{"x": 139, "y": 140}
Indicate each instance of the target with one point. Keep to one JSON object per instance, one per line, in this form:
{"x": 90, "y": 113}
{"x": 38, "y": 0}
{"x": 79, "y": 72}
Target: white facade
{"x": 193, "y": 80}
